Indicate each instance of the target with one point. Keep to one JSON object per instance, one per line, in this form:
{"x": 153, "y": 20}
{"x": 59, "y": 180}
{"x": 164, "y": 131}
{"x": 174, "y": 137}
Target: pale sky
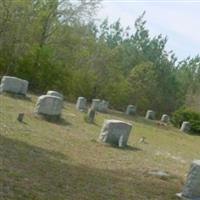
{"x": 179, "y": 20}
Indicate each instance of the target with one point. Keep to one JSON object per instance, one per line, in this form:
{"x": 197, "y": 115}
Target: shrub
{"x": 186, "y": 114}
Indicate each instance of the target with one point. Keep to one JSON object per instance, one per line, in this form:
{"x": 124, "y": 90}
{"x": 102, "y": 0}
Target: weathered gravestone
{"x": 91, "y": 115}
{"x": 131, "y": 110}
{"x": 49, "y": 106}
{"x": 103, "y": 106}
{"x": 185, "y": 127}
{"x": 20, "y": 117}
{"x": 81, "y": 103}
{"x": 164, "y": 118}
{"x": 95, "y": 104}
{"x": 191, "y": 189}
{"x": 150, "y": 114}
{"x": 55, "y": 93}
{"x": 13, "y": 85}
{"x": 115, "y": 132}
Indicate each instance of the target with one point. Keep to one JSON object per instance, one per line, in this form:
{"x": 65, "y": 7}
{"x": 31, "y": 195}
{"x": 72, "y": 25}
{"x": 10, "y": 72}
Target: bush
{"x": 186, "y": 114}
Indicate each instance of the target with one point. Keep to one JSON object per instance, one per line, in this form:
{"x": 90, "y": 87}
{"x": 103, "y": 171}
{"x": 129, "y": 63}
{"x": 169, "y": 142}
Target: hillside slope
{"x": 42, "y": 160}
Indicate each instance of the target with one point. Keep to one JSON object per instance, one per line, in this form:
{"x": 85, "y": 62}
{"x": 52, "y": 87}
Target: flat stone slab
{"x": 115, "y": 132}
{"x": 14, "y": 85}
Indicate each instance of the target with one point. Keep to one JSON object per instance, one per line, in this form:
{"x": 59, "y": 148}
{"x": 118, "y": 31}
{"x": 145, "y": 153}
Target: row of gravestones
{"x": 150, "y": 114}
{"x": 52, "y": 102}
{"x": 113, "y": 131}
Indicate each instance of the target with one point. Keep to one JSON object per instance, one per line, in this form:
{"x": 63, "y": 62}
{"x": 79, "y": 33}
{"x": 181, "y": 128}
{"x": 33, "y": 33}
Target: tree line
{"x": 58, "y": 45}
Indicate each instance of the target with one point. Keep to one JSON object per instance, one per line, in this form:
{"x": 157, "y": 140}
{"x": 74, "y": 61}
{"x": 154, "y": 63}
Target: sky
{"x": 178, "y": 20}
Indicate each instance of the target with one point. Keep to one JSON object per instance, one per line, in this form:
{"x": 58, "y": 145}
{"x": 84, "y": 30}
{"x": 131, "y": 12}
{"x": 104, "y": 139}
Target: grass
{"x": 41, "y": 160}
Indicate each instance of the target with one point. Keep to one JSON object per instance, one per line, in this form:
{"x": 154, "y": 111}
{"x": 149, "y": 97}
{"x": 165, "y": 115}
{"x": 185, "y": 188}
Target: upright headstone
{"x": 164, "y": 118}
{"x": 20, "y": 117}
{"x": 115, "y": 132}
{"x": 150, "y": 114}
{"x": 91, "y": 115}
{"x": 103, "y": 106}
{"x": 81, "y": 104}
{"x": 55, "y": 93}
{"x": 131, "y": 110}
{"x": 95, "y": 104}
{"x": 191, "y": 189}
{"x": 13, "y": 85}
{"x": 185, "y": 127}
{"x": 49, "y": 105}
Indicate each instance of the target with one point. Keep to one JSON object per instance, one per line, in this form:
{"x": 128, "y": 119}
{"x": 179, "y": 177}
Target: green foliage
{"x": 57, "y": 45}
{"x": 186, "y": 114}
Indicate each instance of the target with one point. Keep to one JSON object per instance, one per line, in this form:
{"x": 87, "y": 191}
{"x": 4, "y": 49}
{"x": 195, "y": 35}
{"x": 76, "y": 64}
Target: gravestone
{"x": 131, "y": 110}
{"x": 150, "y": 114}
{"x": 49, "y": 105}
{"x": 20, "y": 117}
{"x": 164, "y": 118}
{"x": 185, "y": 127}
{"x": 115, "y": 132}
{"x": 103, "y": 106}
{"x": 191, "y": 189}
{"x": 95, "y": 104}
{"x": 55, "y": 93}
{"x": 91, "y": 115}
{"x": 81, "y": 104}
{"x": 13, "y": 85}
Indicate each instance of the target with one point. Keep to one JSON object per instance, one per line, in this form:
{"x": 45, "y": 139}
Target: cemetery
{"x": 99, "y": 100}
{"x": 97, "y": 144}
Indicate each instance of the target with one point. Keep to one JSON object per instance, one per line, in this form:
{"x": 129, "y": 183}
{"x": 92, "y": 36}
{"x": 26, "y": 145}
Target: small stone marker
{"x": 55, "y": 93}
{"x": 49, "y": 105}
{"x": 91, "y": 115}
{"x": 191, "y": 189}
{"x": 103, "y": 106}
{"x": 164, "y": 118}
{"x": 20, "y": 117}
{"x": 150, "y": 114}
{"x": 13, "y": 85}
{"x": 131, "y": 110}
{"x": 185, "y": 127}
{"x": 95, "y": 104}
{"x": 115, "y": 132}
{"x": 81, "y": 104}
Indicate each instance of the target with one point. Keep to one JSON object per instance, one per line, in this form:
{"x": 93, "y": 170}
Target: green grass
{"x": 41, "y": 160}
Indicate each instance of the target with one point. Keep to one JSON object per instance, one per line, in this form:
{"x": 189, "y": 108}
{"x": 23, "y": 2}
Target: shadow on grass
{"x": 55, "y": 120}
{"x": 16, "y": 96}
{"x": 29, "y": 172}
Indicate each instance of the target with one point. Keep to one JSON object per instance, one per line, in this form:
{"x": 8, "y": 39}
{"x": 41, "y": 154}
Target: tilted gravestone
{"x": 81, "y": 104}
{"x": 150, "y": 114}
{"x": 49, "y": 105}
{"x": 103, "y": 106}
{"x": 115, "y": 132}
{"x": 13, "y": 85}
{"x": 91, "y": 115}
{"x": 131, "y": 110}
{"x": 55, "y": 93}
{"x": 164, "y": 118}
{"x": 185, "y": 127}
{"x": 95, "y": 104}
{"x": 191, "y": 189}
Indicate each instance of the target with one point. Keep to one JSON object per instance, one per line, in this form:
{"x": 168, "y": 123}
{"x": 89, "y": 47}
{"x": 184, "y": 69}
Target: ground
{"x": 41, "y": 160}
